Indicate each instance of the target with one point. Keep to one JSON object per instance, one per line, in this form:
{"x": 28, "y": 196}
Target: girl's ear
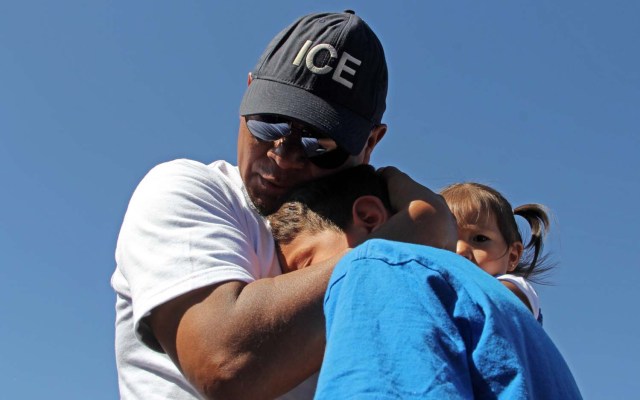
{"x": 515, "y": 252}
{"x": 368, "y": 214}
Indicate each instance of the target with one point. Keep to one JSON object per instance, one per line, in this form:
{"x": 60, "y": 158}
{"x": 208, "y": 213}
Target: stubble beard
{"x": 262, "y": 206}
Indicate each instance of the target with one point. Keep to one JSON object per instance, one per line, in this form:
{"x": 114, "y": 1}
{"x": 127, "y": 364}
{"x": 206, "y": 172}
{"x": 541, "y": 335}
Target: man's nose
{"x": 463, "y": 249}
{"x": 288, "y": 153}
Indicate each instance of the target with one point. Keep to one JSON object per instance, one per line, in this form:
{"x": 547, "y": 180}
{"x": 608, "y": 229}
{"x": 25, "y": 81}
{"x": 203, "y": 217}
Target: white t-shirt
{"x": 526, "y": 288}
{"x": 188, "y": 225}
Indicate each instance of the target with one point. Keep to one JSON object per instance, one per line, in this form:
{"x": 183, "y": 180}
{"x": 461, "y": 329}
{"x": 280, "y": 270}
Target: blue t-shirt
{"x": 407, "y": 321}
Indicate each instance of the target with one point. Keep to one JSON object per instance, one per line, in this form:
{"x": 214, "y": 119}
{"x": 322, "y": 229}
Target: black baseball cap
{"x": 327, "y": 70}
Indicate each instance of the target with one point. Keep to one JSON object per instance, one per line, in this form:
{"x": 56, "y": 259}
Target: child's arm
{"x": 518, "y": 293}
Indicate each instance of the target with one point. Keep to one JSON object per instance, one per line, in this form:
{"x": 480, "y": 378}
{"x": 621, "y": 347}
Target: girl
{"x": 489, "y": 237}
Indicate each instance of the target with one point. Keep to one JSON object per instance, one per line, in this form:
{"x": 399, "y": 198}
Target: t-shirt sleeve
{"x": 182, "y": 231}
{"x": 526, "y": 288}
{"x": 391, "y": 334}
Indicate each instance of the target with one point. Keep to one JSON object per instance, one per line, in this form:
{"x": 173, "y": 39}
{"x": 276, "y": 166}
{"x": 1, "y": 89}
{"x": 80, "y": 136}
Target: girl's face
{"x": 483, "y": 244}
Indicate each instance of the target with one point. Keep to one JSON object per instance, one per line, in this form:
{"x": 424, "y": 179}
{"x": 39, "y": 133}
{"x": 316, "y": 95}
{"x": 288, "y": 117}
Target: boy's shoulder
{"x": 424, "y": 262}
{"x": 399, "y": 253}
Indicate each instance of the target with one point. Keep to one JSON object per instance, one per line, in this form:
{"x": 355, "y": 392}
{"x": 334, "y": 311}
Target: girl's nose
{"x": 463, "y": 249}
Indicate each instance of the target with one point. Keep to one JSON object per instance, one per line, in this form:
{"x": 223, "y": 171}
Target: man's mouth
{"x": 273, "y": 184}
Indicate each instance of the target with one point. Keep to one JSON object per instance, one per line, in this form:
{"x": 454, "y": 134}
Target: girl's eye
{"x": 481, "y": 238}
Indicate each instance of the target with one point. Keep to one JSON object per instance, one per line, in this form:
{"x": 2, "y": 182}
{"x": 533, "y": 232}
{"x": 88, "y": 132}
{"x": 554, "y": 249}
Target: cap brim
{"x": 348, "y": 129}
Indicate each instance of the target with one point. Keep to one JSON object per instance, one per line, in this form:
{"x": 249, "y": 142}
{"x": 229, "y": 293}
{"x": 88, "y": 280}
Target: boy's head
{"x": 324, "y": 217}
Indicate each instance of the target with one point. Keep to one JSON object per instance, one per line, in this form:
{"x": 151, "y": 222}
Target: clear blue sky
{"x": 539, "y": 98}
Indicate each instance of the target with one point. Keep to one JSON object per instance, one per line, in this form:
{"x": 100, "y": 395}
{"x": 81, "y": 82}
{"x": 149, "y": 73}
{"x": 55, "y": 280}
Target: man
{"x": 203, "y": 309}
{"x": 408, "y": 321}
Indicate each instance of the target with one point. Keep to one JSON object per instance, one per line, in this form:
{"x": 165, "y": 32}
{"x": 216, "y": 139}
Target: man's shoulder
{"x": 189, "y": 176}
{"x": 189, "y": 189}
{"x": 186, "y": 167}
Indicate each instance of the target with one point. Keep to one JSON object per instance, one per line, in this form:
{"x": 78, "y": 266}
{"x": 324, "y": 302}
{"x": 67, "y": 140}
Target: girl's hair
{"x": 472, "y": 202}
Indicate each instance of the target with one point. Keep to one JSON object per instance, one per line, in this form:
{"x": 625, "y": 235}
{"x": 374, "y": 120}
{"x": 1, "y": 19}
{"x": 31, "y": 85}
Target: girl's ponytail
{"x": 532, "y": 262}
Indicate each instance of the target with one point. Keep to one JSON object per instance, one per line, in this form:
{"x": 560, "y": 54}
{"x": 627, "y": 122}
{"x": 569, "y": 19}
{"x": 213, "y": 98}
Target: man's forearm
{"x": 255, "y": 340}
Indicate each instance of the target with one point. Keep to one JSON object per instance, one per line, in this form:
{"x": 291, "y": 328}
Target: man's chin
{"x": 265, "y": 206}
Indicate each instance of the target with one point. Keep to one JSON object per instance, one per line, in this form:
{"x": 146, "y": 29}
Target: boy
{"x": 406, "y": 320}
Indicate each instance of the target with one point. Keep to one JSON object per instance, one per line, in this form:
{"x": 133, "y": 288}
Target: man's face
{"x": 270, "y": 169}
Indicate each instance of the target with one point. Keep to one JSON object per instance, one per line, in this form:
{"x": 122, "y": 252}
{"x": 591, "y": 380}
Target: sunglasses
{"x": 319, "y": 148}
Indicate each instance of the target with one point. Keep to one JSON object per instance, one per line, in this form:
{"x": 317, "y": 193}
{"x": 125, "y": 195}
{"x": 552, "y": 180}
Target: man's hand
{"x": 421, "y": 216}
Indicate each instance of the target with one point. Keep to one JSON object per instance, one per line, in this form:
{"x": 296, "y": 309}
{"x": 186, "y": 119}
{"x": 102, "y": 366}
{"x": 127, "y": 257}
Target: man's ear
{"x": 377, "y": 133}
{"x": 368, "y": 214}
{"x": 249, "y": 78}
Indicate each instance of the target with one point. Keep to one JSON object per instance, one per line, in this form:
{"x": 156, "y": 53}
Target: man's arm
{"x": 180, "y": 235}
{"x": 258, "y": 340}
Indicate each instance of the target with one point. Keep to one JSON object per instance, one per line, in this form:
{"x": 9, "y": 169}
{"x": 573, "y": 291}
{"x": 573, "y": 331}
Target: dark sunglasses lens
{"x": 322, "y": 152}
{"x": 330, "y": 159}
{"x": 266, "y": 131}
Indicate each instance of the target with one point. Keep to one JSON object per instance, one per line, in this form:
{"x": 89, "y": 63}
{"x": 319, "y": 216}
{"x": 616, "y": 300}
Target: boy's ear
{"x": 369, "y": 214}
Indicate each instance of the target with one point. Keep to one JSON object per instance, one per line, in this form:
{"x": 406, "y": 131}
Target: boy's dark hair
{"x": 326, "y": 203}
{"x": 472, "y": 202}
